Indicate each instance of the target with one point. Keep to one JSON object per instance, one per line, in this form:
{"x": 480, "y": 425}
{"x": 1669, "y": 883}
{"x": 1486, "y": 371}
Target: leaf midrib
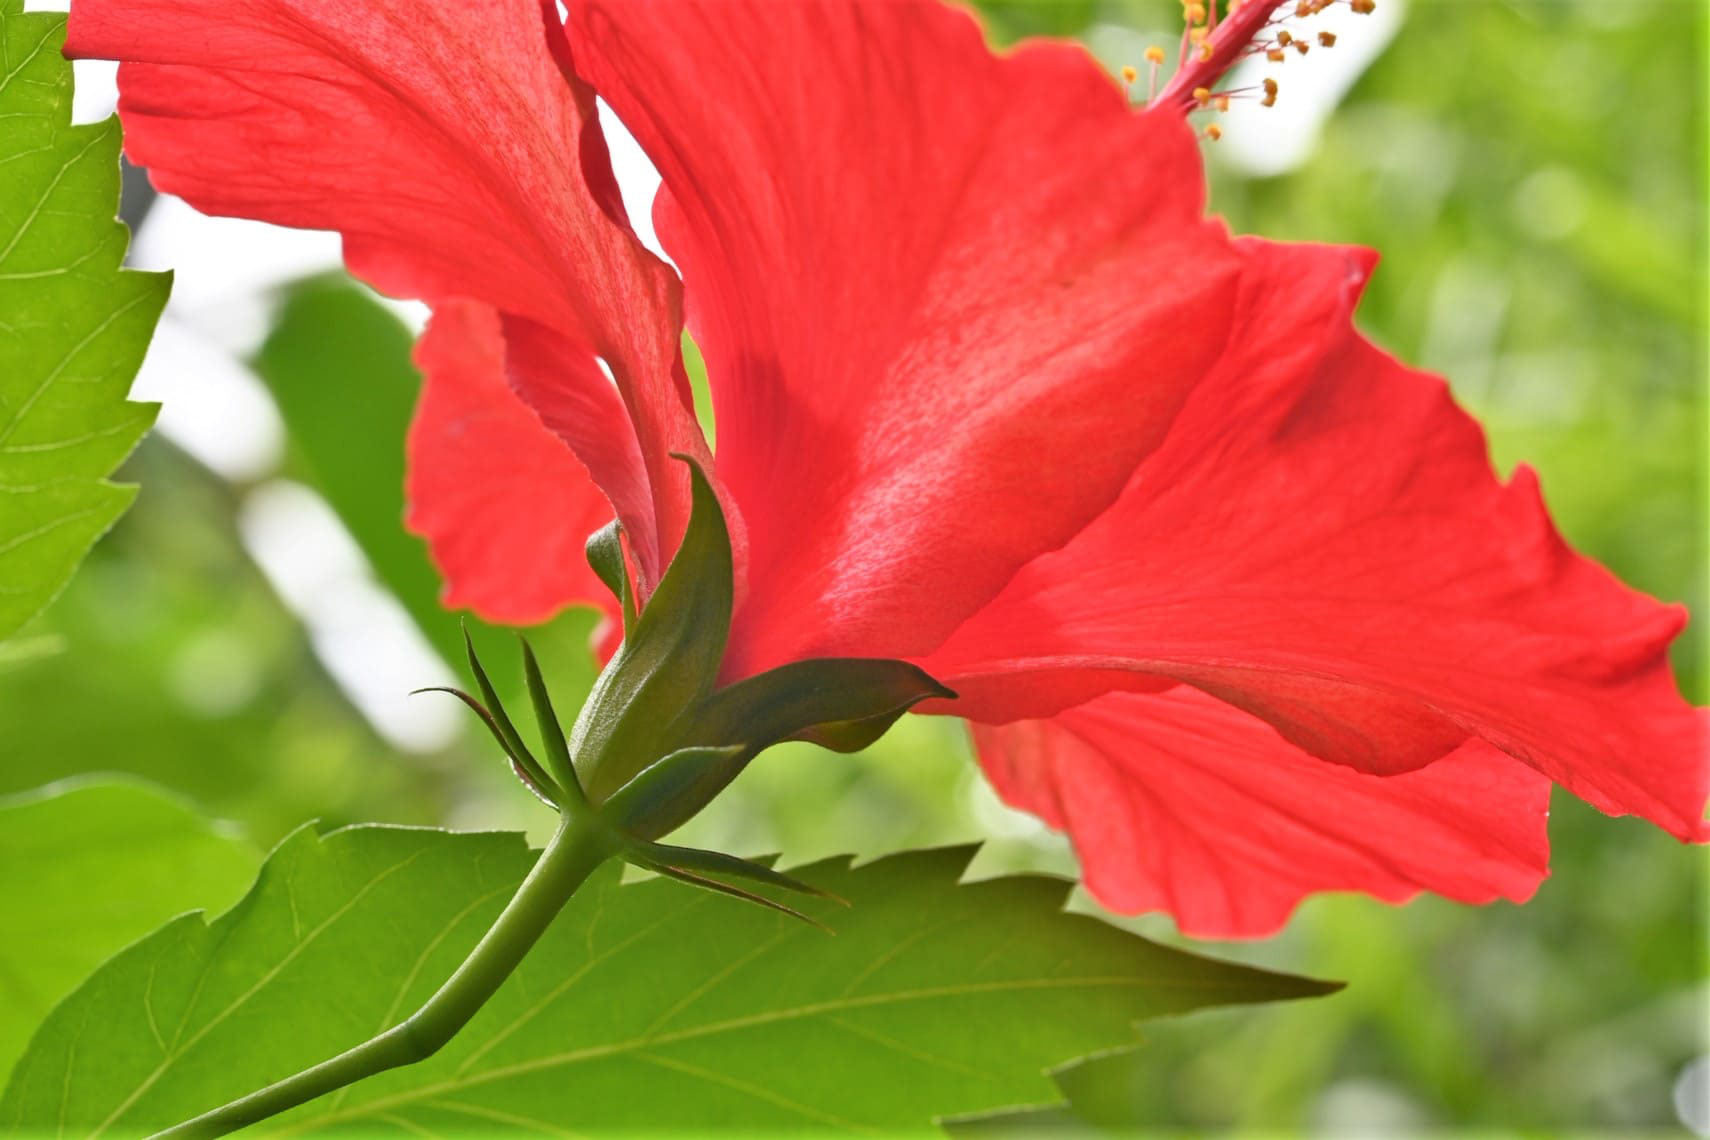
{"x": 731, "y": 1025}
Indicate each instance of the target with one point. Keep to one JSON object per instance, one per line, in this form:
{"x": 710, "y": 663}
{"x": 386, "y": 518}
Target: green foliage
{"x": 73, "y": 325}
{"x": 90, "y": 868}
{"x": 645, "y": 1005}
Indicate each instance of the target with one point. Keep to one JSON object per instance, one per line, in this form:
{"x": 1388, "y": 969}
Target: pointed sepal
{"x": 841, "y": 703}
{"x": 524, "y": 765}
{"x": 714, "y": 885}
{"x": 508, "y": 736}
{"x": 669, "y": 661}
{"x": 605, "y": 555}
{"x": 558, "y": 761}
{"x": 665, "y": 794}
{"x": 729, "y": 866}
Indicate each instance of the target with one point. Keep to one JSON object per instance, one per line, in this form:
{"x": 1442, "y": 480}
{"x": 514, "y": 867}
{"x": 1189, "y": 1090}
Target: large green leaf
{"x": 73, "y": 325}
{"x": 646, "y": 1006}
{"x": 86, "y": 869}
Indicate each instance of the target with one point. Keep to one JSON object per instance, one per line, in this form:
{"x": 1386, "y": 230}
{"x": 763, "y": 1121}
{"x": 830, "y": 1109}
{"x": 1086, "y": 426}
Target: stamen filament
{"x": 1219, "y": 52}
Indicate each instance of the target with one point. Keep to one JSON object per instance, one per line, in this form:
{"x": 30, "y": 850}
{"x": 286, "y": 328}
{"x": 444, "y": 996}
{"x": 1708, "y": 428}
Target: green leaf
{"x": 645, "y": 1006}
{"x": 73, "y": 325}
{"x": 86, "y": 869}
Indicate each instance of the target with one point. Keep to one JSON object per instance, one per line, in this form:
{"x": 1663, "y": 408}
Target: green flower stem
{"x": 581, "y": 844}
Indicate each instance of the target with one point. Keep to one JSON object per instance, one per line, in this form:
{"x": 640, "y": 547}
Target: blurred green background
{"x": 1534, "y": 174}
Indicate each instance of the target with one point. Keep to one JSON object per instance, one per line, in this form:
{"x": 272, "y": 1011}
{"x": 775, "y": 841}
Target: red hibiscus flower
{"x": 1230, "y": 595}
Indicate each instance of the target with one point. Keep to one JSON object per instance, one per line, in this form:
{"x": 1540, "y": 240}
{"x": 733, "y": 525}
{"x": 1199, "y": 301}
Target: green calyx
{"x": 658, "y": 738}
{"x": 671, "y": 652}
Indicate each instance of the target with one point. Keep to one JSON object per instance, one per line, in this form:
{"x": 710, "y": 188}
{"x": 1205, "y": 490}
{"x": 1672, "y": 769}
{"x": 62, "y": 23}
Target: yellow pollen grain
{"x": 1154, "y": 54}
{"x": 1129, "y": 75}
{"x": 1201, "y": 95}
{"x": 1213, "y": 132}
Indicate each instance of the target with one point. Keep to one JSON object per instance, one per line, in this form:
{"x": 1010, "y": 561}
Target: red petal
{"x": 1321, "y": 542}
{"x": 504, "y": 505}
{"x": 923, "y": 277}
{"x": 1177, "y": 802}
{"x": 446, "y": 145}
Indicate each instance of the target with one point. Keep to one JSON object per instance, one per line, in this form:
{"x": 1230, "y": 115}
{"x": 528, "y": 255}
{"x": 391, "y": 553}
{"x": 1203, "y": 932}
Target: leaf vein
{"x": 544, "y": 1128}
{"x": 208, "y": 1026}
{"x": 758, "y": 1092}
{"x": 53, "y": 373}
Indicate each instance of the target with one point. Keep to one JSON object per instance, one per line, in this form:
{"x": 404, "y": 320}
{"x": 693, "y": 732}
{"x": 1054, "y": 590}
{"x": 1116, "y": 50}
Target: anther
{"x": 1129, "y": 75}
{"x": 1201, "y": 95}
{"x": 1283, "y": 38}
{"x": 1275, "y": 55}
{"x": 1213, "y": 132}
{"x": 1302, "y": 46}
{"x": 1154, "y": 54}
{"x": 1328, "y": 39}
{"x": 1204, "y": 53}
{"x": 1221, "y": 102}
